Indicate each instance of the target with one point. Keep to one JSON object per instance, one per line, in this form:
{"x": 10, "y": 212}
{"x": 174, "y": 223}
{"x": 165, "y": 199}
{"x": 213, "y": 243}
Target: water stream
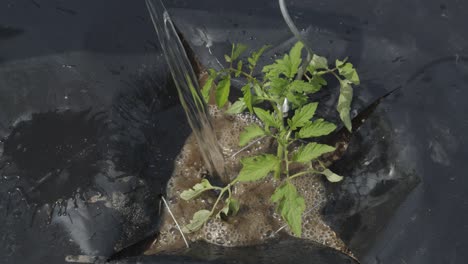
{"x": 188, "y": 89}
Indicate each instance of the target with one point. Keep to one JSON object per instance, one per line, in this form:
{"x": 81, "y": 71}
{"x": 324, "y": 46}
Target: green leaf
{"x": 249, "y": 133}
{"x": 319, "y": 62}
{"x": 198, "y": 220}
{"x": 302, "y": 116}
{"x": 317, "y": 128}
{"x": 331, "y": 176}
{"x": 296, "y": 99}
{"x": 281, "y": 192}
{"x": 231, "y": 206}
{"x": 296, "y": 57}
{"x": 227, "y": 58}
{"x": 347, "y": 70}
{"x": 344, "y": 103}
{"x": 256, "y": 168}
{"x": 286, "y": 66}
{"x": 208, "y": 85}
{"x": 311, "y": 151}
{"x": 196, "y": 190}
{"x": 256, "y": 56}
{"x": 278, "y": 86}
{"x": 267, "y": 118}
{"x": 234, "y": 206}
{"x": 318, "y": 80}
{"x": 247, "y": 96}
{"x": 280, "y": 67}
{"x": 291, "y": 206}
{"x": 339, "y": 63}
{"x": 237, "y": 50}
{"x": 305, "y": 87}
{"x": 222, "y": 91}
{"x": 239, "y": 68}
{"x": 236, "y": 108}
{"x": 258, "y": 90}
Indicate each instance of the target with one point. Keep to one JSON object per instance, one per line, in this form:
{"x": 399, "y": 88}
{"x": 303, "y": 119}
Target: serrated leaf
{"x": 239, "y": 68}
{"x": 280, "y": 67}
{"x": 258, "y": 90}
{"x": 278, "y": 86}
{"x": 311, "y": 151}
{"x": 302, "y": 116}
{"x": 316, "y": 128}
{"x": 305, "y": 87}
{"x": 249, "y": 133}
{"x": 236, "y": 108}
{"x": 319, "y": 62}
{"x": 349, "y": 73}
{"x": 222, "y": 91}
{"x": 296, "y": 57}
{"x": 331, "y": 176}
{"x": 247, "y": 97}
{"x": 290, "y": 205}
{"x": 256, "y": 168}
{"x": 280, "y": 193}
{"x": 256, "y": 56}
{"x": 196, "y": 190}
{"x": 296, "y": 99}
{"x": 286, "y": 66}
{"x": 344, "y": 103}
{"x": 237, "y": 50}
{"x": 266, "y": 117}
{"x": 198, "y": 220}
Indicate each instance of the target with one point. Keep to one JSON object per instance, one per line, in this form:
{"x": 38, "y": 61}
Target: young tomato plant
{"x": 286, "y": 83}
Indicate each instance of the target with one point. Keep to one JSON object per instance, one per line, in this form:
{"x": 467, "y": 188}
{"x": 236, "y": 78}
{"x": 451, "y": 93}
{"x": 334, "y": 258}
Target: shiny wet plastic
{"x": 90, "y": 125}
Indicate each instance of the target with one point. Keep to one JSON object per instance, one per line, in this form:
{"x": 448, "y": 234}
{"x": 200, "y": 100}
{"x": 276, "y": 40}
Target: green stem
{"x": 337, "y": 77}
{"x": 249, "y": 76}
{"x": 223, "y": 190}
{"x": 217, "y": 201}
{"x": 320, "y": 73}
{"x": 279, "y": 154}
{"x": 286, "y": 153}
{"x": 303, "y": 173}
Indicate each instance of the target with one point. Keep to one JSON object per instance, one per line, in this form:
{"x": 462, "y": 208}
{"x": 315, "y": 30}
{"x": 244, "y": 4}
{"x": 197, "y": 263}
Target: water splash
{"x": 187, "y": 87}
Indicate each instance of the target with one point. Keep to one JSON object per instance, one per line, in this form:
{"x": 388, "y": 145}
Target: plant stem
{"x": 303, "y": 173}
{"x": 250, "y": 77}
{"x": 223, "y": 190}
{"x": 320, "y": 73}
{"x": 279, "y": 154}
{"x": 336, "y": 75}
{"x": 286, "y": 152}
